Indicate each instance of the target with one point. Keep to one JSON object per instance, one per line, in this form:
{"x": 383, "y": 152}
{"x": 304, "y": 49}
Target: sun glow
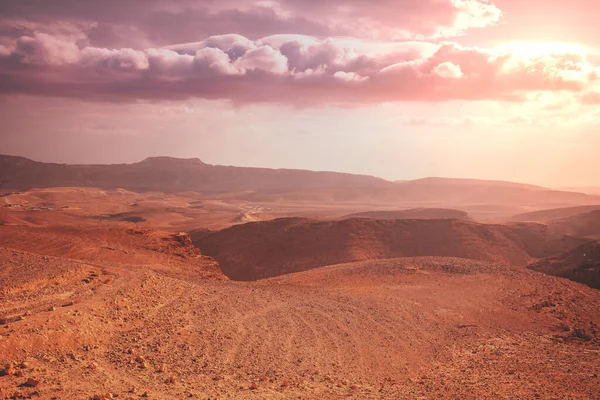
{"x": 537, "y": 49}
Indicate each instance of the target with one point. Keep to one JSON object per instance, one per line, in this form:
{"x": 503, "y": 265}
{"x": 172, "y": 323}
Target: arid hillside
{"x": 415, "y": 213}
{"x": 170, "y": 253}
{"x": 586, "y": 224}
{"x": 581, "y": 264}
{"x": 266, "y": 249}
{"x": 389, "y": 329}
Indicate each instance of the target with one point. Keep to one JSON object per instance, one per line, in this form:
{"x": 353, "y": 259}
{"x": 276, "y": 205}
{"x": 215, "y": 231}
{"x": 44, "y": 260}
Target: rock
{"x": 9, "y": 369}
{"x": 51, "y": 308}
{"x": 163, "y": 368}
{"x": 69, "y": 304}
{"x": 3, "y": 320}
{"x": 31, "y": 382}
{"x": 253, "y": 386}
{"x": 285, "y": 384}
{"x": 103, "y": 397}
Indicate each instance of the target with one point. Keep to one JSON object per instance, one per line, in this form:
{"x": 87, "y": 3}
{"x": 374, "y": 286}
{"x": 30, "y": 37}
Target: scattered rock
{"x": 31, "y": 382}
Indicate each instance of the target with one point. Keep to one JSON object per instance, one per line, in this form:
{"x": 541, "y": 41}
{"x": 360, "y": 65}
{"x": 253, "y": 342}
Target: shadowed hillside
{"x": 581, "y": 264}
{"x": 584, "y": 225}
{"x": 265, "y": 249}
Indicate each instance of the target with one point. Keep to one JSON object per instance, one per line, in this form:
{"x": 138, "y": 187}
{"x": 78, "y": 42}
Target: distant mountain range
{"x": 167, "y": 174}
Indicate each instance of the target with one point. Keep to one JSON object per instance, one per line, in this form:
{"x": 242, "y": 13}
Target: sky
{"x": 401, "y": 89}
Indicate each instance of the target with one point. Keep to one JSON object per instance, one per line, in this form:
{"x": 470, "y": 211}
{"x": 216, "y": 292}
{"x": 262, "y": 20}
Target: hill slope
{"x": 389, "y": 329}
{"x": 584, "y": 225}
{"x": 552, "y": 214}
{"x": 170, "y": 254}
{"x": 265, "y": 249}
{"x": 581, "y": 264}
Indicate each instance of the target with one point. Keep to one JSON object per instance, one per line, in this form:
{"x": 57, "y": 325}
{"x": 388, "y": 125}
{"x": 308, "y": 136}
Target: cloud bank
{"x": 289, "y": 51}
{"x": 286, "y": 68}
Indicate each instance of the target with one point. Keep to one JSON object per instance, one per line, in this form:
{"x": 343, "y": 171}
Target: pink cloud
{"x": 44, "y": 49}
{"x": 161, "y": 22}
{"x": 121, "y": 59}
{"x": 294, "y": 70}
{"x": 448, "y": 70}
{"x": 264, "y": 59}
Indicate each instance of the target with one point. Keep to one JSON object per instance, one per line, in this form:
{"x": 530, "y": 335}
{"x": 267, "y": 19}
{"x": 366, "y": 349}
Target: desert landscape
{"x": 299, "y": 199}
{"x": 279, "y": 292}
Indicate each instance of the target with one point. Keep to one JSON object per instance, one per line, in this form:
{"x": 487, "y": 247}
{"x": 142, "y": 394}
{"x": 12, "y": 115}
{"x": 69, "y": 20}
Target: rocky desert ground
{"x": 111, "y": 293}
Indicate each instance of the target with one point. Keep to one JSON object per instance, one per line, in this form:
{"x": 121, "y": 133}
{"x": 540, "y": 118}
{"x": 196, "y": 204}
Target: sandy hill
{"x": 415, "y": 213}
{"x": 169, "y": 174}
{"x": 581, "y": 264}
{"x": 265, "y": 249}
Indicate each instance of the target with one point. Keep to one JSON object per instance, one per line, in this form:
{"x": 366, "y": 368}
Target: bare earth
{"x": 105, "y": 308}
